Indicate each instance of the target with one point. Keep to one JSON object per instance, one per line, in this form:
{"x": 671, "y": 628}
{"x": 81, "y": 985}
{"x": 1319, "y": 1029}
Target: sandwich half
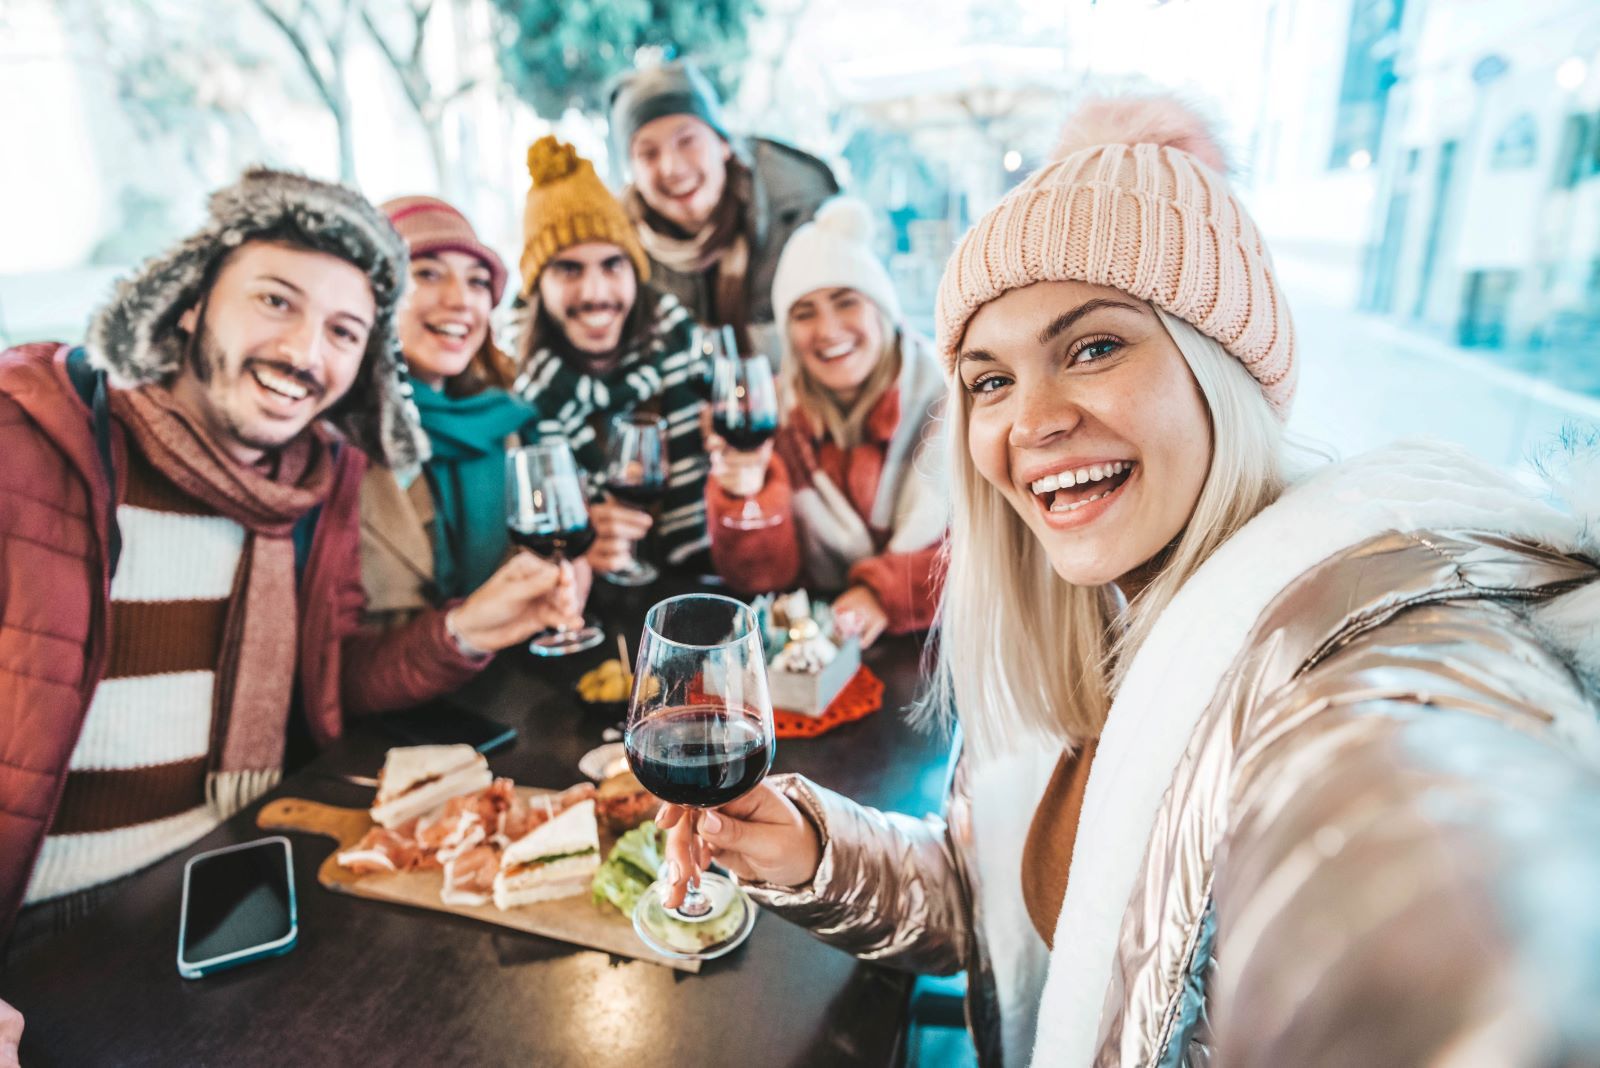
{"x": 419, "y": 778}
{"x": 558, "y": 859}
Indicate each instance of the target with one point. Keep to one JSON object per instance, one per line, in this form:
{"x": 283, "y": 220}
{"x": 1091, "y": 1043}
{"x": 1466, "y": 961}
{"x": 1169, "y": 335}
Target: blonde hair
{"x": 843, "y": 424}
{"x": 1023, "y": 653}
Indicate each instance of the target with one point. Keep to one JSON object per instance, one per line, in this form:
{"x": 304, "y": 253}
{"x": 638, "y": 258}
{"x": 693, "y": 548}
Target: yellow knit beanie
{"x": 569, "y": 205}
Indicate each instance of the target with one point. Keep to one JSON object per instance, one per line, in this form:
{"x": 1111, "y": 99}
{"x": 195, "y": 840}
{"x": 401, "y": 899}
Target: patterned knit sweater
{"x": 136, "y": 784}
{"x": 662, "y": 372}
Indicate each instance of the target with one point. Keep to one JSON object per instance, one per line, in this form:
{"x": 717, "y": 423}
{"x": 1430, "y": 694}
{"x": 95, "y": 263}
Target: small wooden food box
{"x": 808, "y": 694}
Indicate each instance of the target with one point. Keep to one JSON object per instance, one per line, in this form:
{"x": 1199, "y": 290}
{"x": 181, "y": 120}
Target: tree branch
{"x": 298, "y": 43}
{"x": 412, "y": 81}
{"x": 419, "y": 21}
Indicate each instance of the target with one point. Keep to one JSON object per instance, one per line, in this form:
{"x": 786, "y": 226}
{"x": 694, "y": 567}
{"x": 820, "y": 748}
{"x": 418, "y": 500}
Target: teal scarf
{"x": 467, "y": 479}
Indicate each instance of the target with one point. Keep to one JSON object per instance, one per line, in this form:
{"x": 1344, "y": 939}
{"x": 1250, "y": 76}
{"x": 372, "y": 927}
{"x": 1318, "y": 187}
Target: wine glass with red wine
{"x": 636, "y": 475}
{"x": 716, "y": 343}
{"x": 699, "y": 734}
{"x": 744, "y": 413}
{"x": 547, "y": 514}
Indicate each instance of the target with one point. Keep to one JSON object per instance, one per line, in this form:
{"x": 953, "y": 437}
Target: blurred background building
{"x": 1427, "y": 171}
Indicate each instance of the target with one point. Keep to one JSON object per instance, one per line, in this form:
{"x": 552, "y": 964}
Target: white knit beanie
{"x": 832, "y": 251}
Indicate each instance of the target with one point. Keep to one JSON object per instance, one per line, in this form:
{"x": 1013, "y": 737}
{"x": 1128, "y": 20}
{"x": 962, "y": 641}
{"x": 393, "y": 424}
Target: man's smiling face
{"x": 282, "y": 334}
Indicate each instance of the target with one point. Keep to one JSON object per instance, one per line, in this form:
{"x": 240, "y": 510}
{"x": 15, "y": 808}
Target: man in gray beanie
{"x": 713, "y": 211}
{"x": 179, "y": 542}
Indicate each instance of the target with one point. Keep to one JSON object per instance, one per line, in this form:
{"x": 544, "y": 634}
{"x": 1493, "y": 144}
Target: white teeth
{"x": 281, "y": 385}
{"x": 1060, "y": 505}
{"x": 837, "y": 352}
{"x": 1082, "y": 476}
{"x": 455, "y": 330}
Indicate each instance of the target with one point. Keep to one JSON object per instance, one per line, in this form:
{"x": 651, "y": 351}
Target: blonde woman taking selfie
{"x": 1277, "y": 770}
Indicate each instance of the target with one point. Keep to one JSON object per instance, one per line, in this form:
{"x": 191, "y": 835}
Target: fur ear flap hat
{"x": 135, "y": 337}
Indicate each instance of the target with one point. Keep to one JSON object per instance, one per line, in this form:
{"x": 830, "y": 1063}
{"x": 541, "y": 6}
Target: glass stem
{"x": 695, "y": 903}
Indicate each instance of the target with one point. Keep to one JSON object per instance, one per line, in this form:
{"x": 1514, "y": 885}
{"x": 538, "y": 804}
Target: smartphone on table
{"x": 238, "y": 906}
{"x": 454, "y": 726}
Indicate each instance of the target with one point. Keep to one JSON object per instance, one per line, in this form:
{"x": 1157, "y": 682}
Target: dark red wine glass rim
{"x": 743, "y": 618}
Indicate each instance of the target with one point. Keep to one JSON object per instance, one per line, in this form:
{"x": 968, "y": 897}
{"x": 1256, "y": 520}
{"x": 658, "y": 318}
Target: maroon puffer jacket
{"x": 54, "y": 604}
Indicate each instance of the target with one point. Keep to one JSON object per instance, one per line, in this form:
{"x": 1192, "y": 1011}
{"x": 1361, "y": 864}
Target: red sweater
{"x": 55, "y": 511}
{"x": 906, "y": 584}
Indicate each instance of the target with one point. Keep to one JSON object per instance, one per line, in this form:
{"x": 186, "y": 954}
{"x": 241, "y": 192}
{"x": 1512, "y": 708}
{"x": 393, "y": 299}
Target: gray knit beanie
{"x": 136, "y": 338}
{"x": 676, "y": 88}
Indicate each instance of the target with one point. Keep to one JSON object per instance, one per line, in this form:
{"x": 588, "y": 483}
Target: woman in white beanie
{"x": 853, "y": 472}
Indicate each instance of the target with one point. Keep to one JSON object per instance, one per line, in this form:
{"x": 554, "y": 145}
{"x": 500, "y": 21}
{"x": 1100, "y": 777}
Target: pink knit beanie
{"x": 1134, "y": 200}
{"x": 430, "y": 225}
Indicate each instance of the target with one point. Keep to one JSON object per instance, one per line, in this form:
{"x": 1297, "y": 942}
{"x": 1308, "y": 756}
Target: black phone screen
{"x": 237, "y": 899}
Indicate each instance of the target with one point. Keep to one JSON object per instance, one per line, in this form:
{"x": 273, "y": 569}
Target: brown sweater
{"x": 1047, "y": 854}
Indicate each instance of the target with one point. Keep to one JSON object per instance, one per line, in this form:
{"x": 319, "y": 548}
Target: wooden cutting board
{"x": 574, "y": 919}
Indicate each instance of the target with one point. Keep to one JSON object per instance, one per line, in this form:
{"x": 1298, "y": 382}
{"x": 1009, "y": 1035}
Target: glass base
{"x": 722, "y": 930}
{"x": 566, "y": 642}
{"x": 640, "y": 574}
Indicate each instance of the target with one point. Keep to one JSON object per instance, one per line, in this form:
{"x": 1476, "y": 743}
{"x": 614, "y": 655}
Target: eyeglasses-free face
{"x": 1084, "y": 415}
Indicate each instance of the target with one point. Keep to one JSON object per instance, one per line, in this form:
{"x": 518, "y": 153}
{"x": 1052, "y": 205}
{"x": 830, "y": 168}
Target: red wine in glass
{"x": 744, "y": 434}
{"x": 641, "y": 495}
{"x": 699, "y": 755}
{"x": 552, "y": 543}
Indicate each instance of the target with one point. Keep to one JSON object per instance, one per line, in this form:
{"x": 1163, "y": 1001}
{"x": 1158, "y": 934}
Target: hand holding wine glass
{"x": 547, "y": 513}
{"x": 699, "y": 735}
{"x": 761, "y": 837}
{"x": 744, "y": 415}
{"x": 525, "y": 595}
{"x": 636, "y": 478}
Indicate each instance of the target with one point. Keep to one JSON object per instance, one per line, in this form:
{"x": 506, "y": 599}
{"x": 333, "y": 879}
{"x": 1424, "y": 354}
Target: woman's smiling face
{"x": 1085, "y": 416}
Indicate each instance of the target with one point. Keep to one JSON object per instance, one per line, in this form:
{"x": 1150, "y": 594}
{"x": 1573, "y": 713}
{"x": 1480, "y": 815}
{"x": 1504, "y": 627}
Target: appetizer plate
{"x": 577, "y": 920}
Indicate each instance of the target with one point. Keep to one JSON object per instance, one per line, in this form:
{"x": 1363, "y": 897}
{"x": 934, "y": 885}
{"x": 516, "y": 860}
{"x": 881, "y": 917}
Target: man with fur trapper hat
{"x": 179, "y": 542}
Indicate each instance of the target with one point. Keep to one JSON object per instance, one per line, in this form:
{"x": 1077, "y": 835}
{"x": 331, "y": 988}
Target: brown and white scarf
{"x": 255, "y": 673}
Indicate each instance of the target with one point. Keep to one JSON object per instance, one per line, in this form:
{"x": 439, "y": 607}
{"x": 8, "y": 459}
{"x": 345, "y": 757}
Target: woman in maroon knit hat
{"x": 442, "y": 535}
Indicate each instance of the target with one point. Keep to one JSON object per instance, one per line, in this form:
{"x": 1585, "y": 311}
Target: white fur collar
{"x": 1409, "y": 486}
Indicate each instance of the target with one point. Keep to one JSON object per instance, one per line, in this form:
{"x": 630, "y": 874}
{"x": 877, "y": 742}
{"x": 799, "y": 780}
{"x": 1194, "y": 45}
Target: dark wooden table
{"x": 376, "y": 984}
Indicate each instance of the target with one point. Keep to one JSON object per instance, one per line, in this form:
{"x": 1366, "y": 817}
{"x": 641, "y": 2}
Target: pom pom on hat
{"x": 845, "y": 218}
{"x": 569, "y": 205}
{"x": 1162, "y": 120}
{"x": 832, "y": 251}
{"x": 550, "y": 160}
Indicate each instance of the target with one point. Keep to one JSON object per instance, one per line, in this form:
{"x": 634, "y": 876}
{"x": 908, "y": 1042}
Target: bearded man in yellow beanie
{"x": 597, "y": 342}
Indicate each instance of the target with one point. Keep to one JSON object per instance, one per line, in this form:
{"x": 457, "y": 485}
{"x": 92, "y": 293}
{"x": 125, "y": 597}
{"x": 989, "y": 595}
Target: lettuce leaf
{"x": 629, "y": 869}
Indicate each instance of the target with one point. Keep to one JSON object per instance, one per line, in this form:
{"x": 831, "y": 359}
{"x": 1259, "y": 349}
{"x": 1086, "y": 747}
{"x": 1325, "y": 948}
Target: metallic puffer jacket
{"x": 1357, "y": 851}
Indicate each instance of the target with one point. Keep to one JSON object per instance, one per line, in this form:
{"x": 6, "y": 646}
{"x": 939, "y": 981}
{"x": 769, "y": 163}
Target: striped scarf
{"x": 255, "y": 674}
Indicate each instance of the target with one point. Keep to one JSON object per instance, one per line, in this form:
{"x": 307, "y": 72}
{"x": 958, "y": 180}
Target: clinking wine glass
{"x": 699, "y": 734}
{"x": 636, "y": 475}
{"x": 547, "y": 513}
{"x": 744, "y": 413}
{"x": 717, "y": 343}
